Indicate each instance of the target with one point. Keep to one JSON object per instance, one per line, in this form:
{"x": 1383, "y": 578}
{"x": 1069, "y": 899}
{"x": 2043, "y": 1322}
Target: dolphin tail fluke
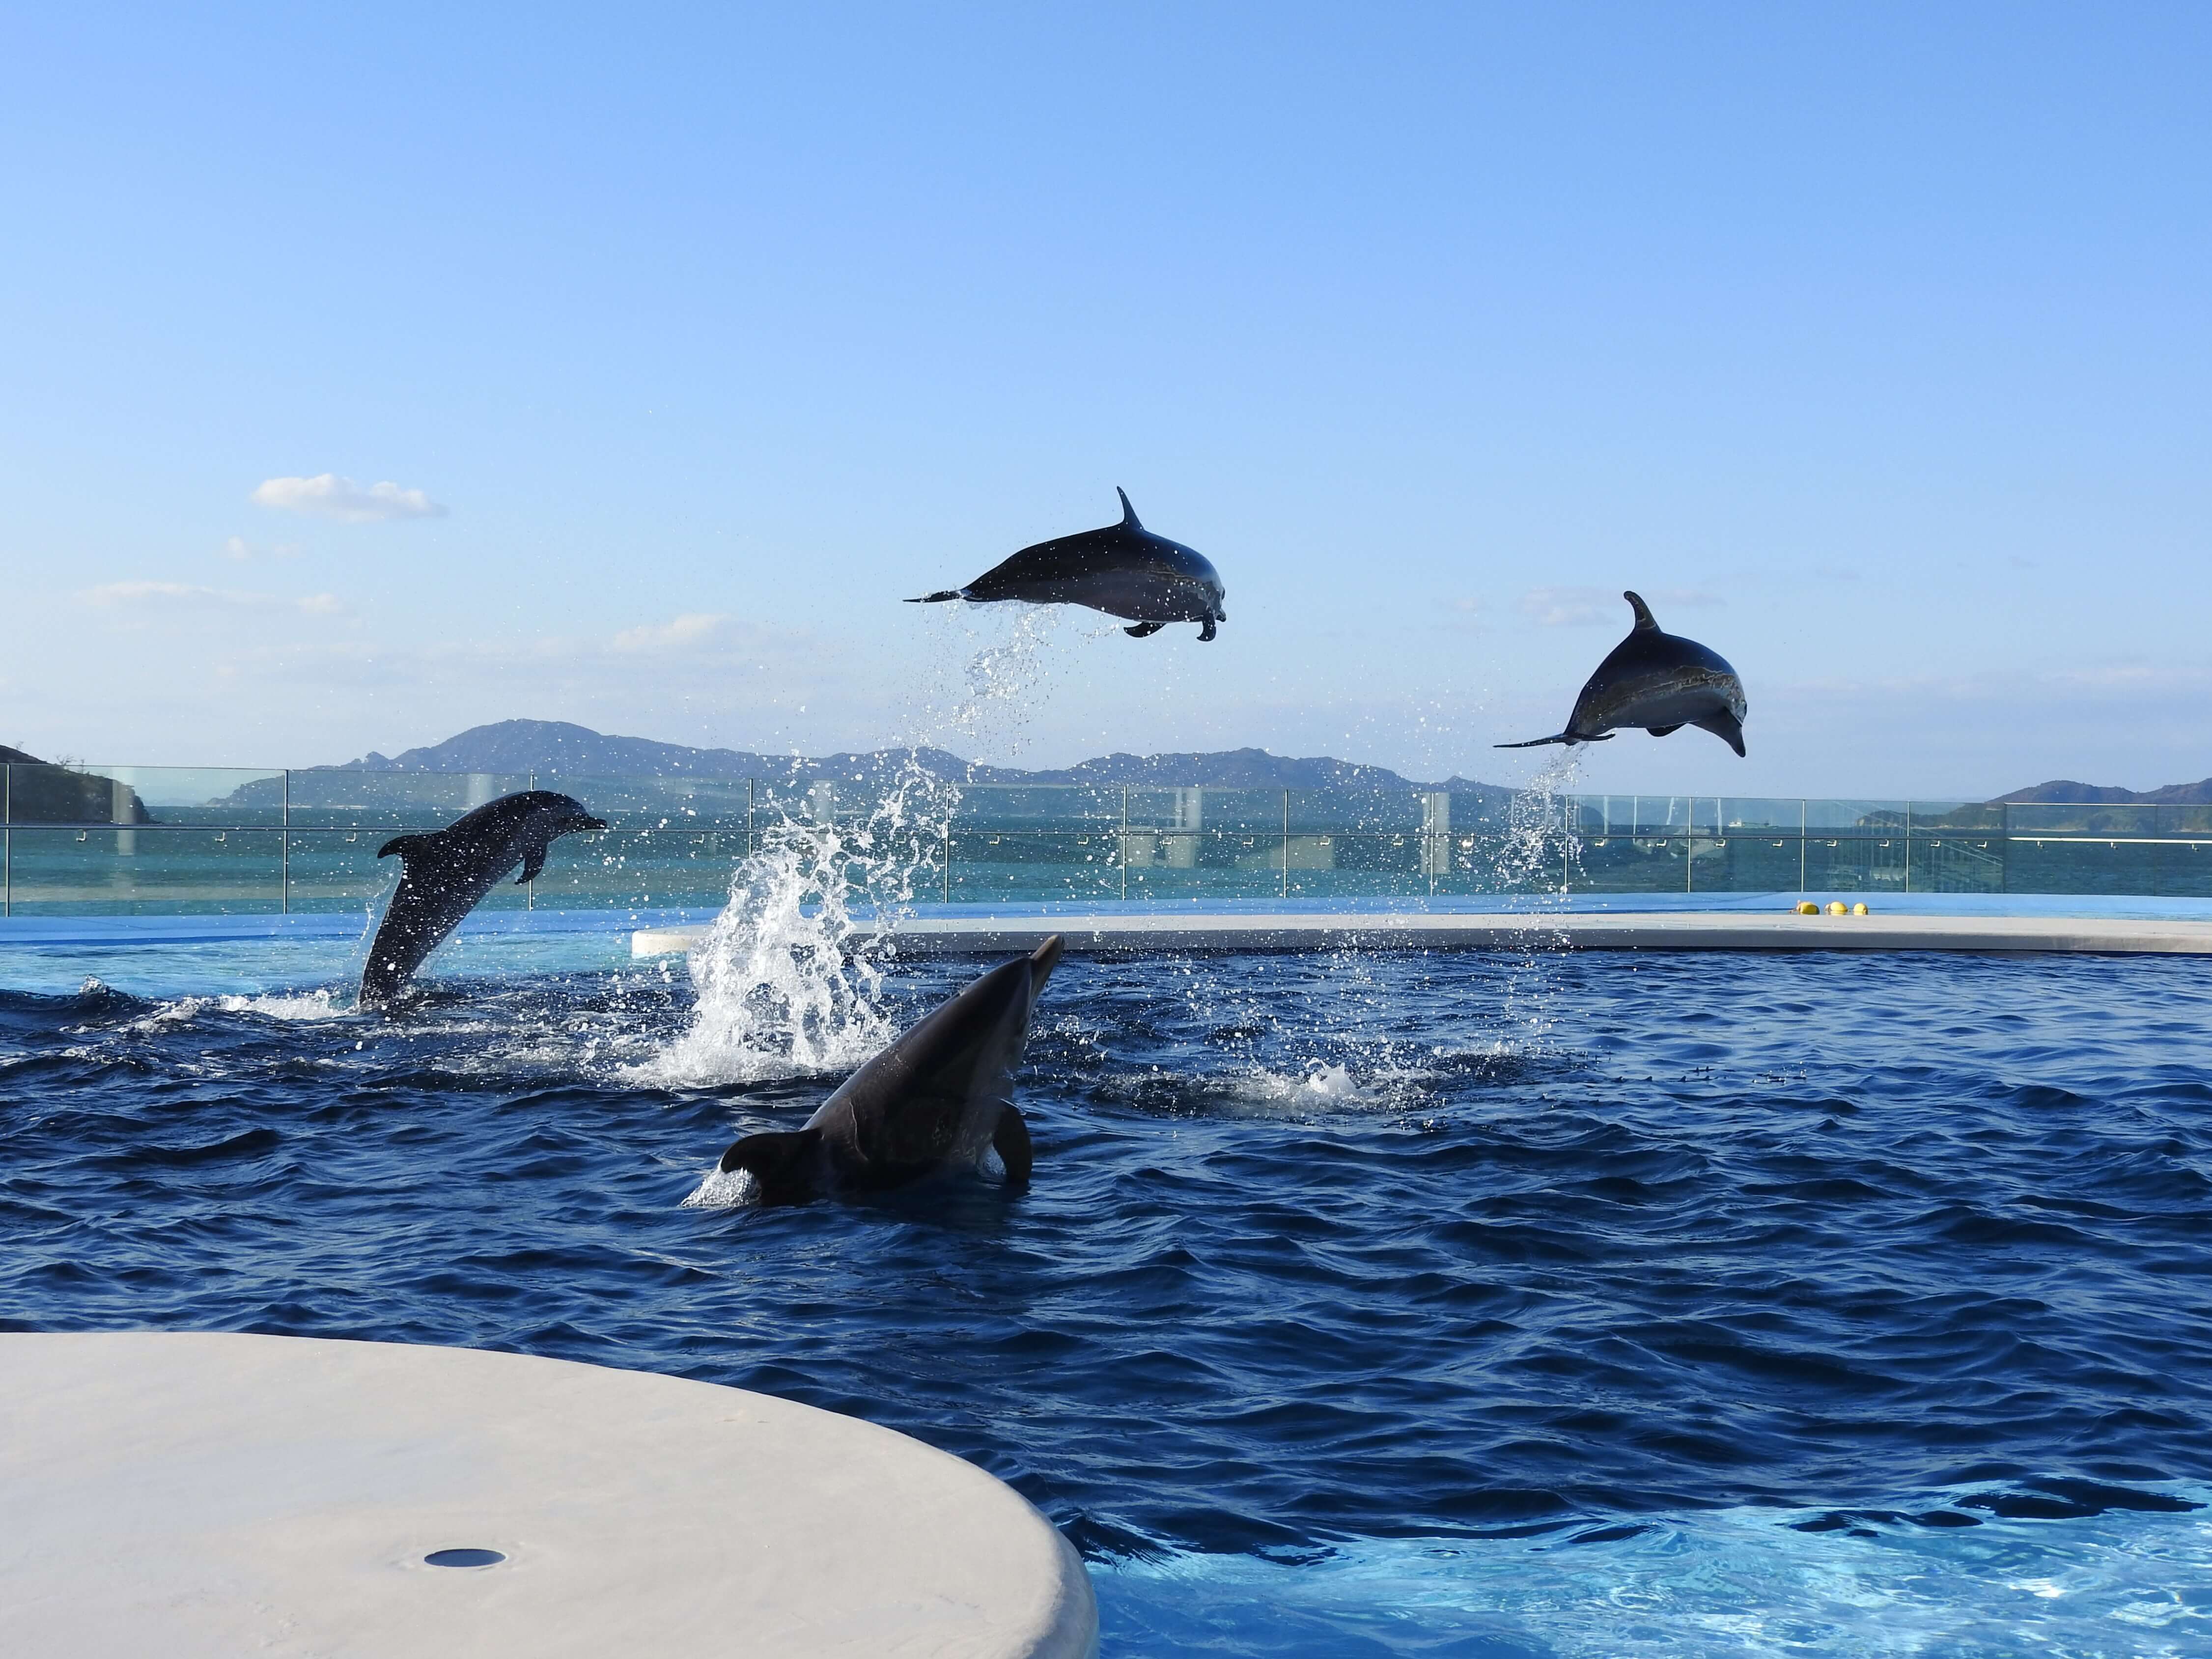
{"x": 781, "y": 1161}
{"x": 1128, "y": 512}
{"x": 1725, "y": 727}
{"x": 1645, "y": 622}
{"x": 1011, "y": 1141}
{"x": 406, "y": 846}
{"x": 937, "y": 598}
{"x": 1557, "y": 737}
{"x": 1144, "y": 630}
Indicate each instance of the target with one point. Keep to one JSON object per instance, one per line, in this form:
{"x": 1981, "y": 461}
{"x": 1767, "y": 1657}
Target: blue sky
{"x": 1871, "y": 343}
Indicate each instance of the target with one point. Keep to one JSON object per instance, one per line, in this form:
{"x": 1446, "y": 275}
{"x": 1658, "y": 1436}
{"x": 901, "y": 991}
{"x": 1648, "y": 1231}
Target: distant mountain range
{"x": 2065, "y": 791}
{"x": 557, "y": 748}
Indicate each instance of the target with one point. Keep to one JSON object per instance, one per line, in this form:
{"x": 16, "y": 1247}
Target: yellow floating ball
{"x": 1858, "y": 909}
{"x": 1808, "y": 909}
{"x": 1837, "y": 909}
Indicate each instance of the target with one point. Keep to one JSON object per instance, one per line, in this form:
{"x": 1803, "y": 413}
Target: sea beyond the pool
{"x": 1450, "y": 1304}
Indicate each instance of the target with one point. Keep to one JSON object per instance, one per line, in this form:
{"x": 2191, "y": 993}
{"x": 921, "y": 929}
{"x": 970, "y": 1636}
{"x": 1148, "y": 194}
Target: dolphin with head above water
{"x": 446, "y": 873}
{"x": 1661, "y": 682}
{"x": 1123, "y": 569}
{"x": 932, "y": 1103}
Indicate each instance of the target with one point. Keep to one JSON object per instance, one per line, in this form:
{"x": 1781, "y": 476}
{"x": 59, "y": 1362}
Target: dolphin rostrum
{"x": 1123, "y": 569}
{"x": 929, "y": 1104}
{"x": 446, "y": 873}
{"x": 1661, "y": 682}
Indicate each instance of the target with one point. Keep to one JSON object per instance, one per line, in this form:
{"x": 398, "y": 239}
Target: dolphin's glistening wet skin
{"x": 931, "y": 1103}
{"x": 446, "y": 873}
{"x": 1123, "y": 569}
{"x": 1661, "y": 682}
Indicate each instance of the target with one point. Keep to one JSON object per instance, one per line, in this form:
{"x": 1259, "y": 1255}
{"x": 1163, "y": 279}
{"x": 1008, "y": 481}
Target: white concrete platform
{"x": 191, "y": 1494}
{"x": 1658, "y": 930}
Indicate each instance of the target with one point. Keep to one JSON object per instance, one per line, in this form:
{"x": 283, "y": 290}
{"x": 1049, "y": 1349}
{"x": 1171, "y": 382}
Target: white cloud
{"x": 1583, "y": 607}
{"x": 237, "y": 547}
{"x": 1567, "y": 607}
{"x": 177, "y": 595}
{"x": 689, "y": 630}
{"x": 327, "y": 496}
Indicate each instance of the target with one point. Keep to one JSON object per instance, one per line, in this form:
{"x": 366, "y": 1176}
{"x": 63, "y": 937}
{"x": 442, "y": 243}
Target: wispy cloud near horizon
{"x": 180, "y": 595}
{"x": 327, "y": 496}
{"x": 686, "y": 632}
{"x": 1585, "y": 607}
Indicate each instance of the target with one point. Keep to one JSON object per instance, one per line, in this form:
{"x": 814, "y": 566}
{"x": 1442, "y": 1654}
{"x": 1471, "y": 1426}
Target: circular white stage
{"x": 197, "y": 1493}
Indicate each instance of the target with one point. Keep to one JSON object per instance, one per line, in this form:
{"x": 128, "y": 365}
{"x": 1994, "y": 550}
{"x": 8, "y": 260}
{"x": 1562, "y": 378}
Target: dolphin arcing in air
{"x": 1123, "y": 569}
{"x": 1661, "y": 682}
{"x": 929, "y": 1104}
{"x": 446, "y": 873}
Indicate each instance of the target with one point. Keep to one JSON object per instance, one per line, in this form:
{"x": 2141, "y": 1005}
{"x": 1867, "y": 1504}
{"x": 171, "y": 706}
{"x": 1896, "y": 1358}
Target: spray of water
{"x": 790, "y": 977}
{"x": 1538, "y": 862}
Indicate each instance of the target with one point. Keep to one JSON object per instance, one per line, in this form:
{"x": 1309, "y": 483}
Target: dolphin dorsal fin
{"x": 1645, "y": 623}
{"x": 1128, "y": 512}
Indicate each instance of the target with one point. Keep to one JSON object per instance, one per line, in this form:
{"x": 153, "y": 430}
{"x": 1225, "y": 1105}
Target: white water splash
{"x": 788, "y": 981}
{"x": 306, "y": 1006}
{"x": 790, "y": 977}
{"x": 723, "y": 1189}
{"x": 1538, "y": 860}
{"x": 1538, "y": 856}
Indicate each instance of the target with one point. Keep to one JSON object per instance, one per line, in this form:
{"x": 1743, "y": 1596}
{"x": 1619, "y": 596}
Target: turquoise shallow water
{"x": 1447, "y": 1304}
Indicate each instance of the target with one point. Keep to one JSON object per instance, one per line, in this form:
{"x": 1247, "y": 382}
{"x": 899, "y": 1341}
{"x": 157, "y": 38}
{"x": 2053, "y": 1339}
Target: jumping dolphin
{"x": 445, "y": 874}
{"x": 1661, "y": 682}
{"x": 928, "y": 1105}
{"x": 1123, "y": 569}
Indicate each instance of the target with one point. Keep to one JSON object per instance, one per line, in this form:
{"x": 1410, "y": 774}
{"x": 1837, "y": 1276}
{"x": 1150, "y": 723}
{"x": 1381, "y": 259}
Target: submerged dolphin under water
{"x": 932, "y": 1103}
{"x": 1123, "y": 569}
{"x": 445, "y": 874}
{"x": 1659, "y": 681}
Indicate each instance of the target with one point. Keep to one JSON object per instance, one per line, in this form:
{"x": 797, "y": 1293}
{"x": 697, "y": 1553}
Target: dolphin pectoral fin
{"x": 405, "y": 846}
{"x": 533, "y": 866}
{"x": 1011, "y": 1141}
{"x": 781, "y": 1161}
{"x": 937, "y": 598}
{"x": 1144, "y": 630}
{"x": 1725, "y": 727}
{"x": 1664, "y": 731}
{"x": 1207, "y": 632}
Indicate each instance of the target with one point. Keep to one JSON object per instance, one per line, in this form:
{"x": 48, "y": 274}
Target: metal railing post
{"x": 7, "y": 841}
{"x": 1286, "y": 847}
{"x": 1801, "y": 845}
{"x": 284, "y": 846}
{"x": 1908, "y": 847}
{"x": 749, "y": 818}
{"x": 1125, "y": 843}
{"x": 530, "y": 887}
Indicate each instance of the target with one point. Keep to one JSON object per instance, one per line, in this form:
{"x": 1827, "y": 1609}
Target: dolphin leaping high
{"x": 1661, "y": 682}
{"x": 446, "y": 873}
{"x": 1123, "y": 569}
{"x": 932, "y": 1103}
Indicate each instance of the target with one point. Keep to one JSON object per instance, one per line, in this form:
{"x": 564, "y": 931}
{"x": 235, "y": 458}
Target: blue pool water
{"x": 1445, "y": 1305}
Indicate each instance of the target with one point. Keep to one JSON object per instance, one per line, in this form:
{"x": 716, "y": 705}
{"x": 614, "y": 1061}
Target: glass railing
{"x": 173, "y": 840}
